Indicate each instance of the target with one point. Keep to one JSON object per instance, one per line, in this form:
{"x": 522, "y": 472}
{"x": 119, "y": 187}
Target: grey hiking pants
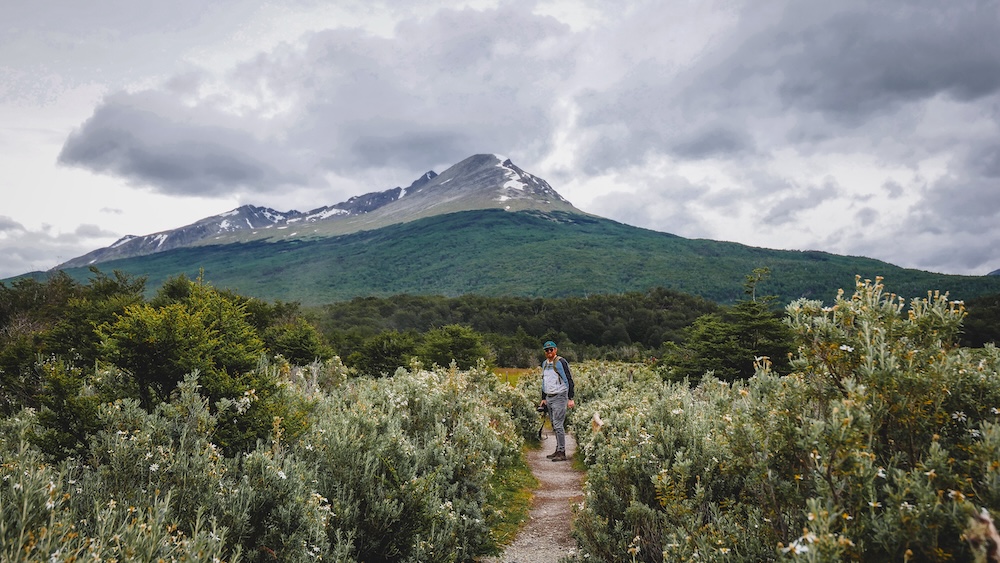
{"x": 557, "y": 413}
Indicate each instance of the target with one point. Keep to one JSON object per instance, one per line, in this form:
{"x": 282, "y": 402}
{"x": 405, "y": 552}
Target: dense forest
{"x": 627, "y": 326}
{"x": 75, "y": 321}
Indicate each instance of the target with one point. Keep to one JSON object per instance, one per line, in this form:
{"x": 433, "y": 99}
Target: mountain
{"x": 482, "y": 181}
{"x": 483, "y": 226}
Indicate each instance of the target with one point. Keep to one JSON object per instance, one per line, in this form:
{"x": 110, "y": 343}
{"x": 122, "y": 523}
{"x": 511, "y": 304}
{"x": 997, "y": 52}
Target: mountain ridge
{"x": 529, "y": 253}
{"x": 481, "y": 226}
{"x": 480, "y": 181}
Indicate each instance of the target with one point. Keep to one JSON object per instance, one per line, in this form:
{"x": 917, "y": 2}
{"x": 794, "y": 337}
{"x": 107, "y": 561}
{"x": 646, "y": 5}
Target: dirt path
{"x": 546, "y": 538}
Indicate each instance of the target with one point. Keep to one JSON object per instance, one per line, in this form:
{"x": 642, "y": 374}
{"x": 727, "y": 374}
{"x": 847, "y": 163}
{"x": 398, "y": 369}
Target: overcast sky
{"x": 862, "y": 128}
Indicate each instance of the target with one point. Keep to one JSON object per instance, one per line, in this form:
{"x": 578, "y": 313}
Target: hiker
{"x": 557, "y": 394}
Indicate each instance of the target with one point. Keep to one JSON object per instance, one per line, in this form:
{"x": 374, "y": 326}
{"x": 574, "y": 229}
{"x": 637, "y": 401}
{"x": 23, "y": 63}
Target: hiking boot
{"x": 559, "y": 456}
{"x": 552, "y": 455}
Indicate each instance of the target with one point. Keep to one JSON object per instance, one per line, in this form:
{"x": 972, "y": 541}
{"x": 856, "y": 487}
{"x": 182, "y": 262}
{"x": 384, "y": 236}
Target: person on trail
{"x": 557, "y": 395}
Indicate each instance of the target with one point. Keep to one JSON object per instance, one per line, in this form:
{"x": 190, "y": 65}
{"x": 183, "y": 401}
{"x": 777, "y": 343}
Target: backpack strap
{"x": 557, "y": 365}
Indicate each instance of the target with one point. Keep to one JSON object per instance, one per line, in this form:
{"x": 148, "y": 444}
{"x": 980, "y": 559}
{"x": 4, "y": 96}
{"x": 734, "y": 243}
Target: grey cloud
{"x": 23, "y": 251}
{"x": 966, "y": 199}
{"x": 878, "y": 55}
{"x": 910, "y": 247}
{"x": 445, "y": 86}
{"x": 785, "y": 209}
{"x": 60, "y": 44}
{"x": 985, "y": 160}
{"x": 962, "y": 205}
{"x": 149, "y": 139}
{"x": 483, "y": 83}
{"x": 817, "y": 69}
{"x": 662, "y": 204}
{"x": 403, "y": 147}
{"x": 957, "y": 253}
{"x": 9, "y": 225}
{"x": 893, "y": 189}
{"x": 867, "y": 216}
{"x": 93, "y": 231}
{"x": 953, "y": 227}
{"x": 850, "y": 60}
{"x": 712, "y": 143}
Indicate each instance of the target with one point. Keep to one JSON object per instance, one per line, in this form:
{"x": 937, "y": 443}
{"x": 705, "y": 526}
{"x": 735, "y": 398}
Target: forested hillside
{"x": 527, "y": 254}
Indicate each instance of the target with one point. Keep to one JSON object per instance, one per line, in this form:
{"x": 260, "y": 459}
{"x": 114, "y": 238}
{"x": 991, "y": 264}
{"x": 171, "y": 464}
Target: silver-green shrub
{"x": 397, "y": 469}
{"x": 878, "y": 447}
{"x": 50, "y": 513}
{"x": 406, "y": 462}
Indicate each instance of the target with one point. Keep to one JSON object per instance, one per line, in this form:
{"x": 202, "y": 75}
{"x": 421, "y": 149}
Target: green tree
{"x": 68, "y": 413}
{"x": 158, "y": 347}
{"x": 982, "y": 322}
{"x": 55, "y": 317}
{"x": 731, "y": 342}
{"x": 195, "y": 328}
{"x": 29, "y": 308}
{"x": 198, "y": 328}
{"x": 453, "y": 342}
{"x": 297, "y": 341}
{"x": 384, "y": 353}
{"x": 514, "y": 350}
{"x": 239, "y": 347}
{"x": 74, "y": 336}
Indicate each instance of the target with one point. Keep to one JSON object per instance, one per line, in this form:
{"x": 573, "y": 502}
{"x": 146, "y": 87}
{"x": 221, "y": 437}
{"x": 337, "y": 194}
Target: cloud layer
{"x": 865, "y": 128}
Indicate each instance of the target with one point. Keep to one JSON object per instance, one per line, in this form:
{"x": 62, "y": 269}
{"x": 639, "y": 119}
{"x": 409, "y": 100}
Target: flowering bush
{"x": 48, "y": 513}
{"x": 398, "y": 469}
{"x": 879, "y": 446}
{"x": 407, "y": 462}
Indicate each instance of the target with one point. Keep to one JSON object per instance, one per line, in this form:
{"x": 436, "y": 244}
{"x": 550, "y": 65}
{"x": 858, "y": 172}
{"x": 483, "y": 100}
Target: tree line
{"x": 195, "y": 326}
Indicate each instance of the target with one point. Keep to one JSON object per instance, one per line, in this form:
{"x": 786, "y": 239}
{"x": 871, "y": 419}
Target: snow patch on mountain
{"x": 123, "y": 240}
{"x": 325, "y": 213}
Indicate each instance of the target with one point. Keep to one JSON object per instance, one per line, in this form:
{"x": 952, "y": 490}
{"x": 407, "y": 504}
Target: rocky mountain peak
{"x": 482, "y": 181}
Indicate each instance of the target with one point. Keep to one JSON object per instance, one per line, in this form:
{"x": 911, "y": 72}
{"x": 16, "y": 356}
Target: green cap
{"x": 549, "y": 344}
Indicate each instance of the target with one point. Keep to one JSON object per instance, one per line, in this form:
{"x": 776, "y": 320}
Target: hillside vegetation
{"x": 880, "y": 445}
{"x": 527, "y": 254}
{"x": 175, "y": 428}
{"x": 627, "y": 326}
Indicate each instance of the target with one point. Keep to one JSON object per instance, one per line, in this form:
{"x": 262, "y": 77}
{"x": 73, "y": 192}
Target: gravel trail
{"x": 545, "y": 538}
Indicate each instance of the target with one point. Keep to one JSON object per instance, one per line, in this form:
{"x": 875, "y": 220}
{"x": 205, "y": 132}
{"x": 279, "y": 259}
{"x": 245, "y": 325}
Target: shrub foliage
{"x": 397, "y": 469}
{"x": 878, "y": 446}
{"x": 181, "y": 429}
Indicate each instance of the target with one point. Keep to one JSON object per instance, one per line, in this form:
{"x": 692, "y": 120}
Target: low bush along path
{"x": 545, "y": 538}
